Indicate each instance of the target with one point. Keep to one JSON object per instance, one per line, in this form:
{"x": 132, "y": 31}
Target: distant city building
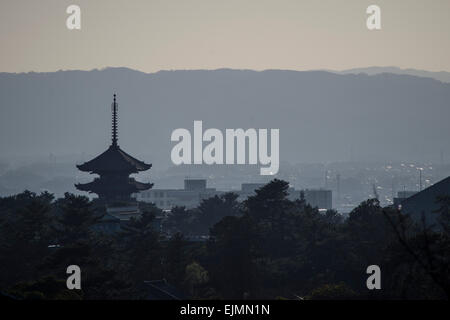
{"x": 319, "y": 198}
{"x": 195, "y": 184}
{"x": 195, "y": 190}
{"x": 425, "y": 202}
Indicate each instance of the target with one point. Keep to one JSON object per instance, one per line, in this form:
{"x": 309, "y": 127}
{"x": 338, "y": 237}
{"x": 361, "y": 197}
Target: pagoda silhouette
{"x": 114, "y": 167}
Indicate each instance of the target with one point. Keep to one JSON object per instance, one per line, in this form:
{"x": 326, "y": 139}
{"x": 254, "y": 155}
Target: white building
{"x": 194, "y": 191}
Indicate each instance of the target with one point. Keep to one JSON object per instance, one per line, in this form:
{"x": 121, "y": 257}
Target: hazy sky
{"x": 151, "y": 35}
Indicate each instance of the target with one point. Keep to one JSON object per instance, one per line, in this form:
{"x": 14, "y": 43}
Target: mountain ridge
{"x": 443, "y": 76}
{"x": 321, "y": 115}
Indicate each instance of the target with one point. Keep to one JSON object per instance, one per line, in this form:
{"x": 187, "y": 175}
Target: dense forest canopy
{"x": 266, "y": 247}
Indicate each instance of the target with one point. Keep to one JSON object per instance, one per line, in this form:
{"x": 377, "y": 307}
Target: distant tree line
{"x": 266, "y": 247}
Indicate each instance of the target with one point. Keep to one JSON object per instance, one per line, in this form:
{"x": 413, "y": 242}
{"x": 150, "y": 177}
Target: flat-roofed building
{"x": 194, "y": 192}
{"x": 320, "y": 198}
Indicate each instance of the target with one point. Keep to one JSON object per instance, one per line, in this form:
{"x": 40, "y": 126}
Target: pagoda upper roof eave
{"x": 114, "y": 159}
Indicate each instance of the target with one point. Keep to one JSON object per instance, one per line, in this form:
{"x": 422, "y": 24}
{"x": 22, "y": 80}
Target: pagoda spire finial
{"x": 114, "y": 107}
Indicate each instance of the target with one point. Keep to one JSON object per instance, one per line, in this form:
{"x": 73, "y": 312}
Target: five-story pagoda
{"x": 114, "y": 167}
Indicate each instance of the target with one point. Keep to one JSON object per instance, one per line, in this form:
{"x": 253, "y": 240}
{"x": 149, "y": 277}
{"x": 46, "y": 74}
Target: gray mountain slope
{"x": 443, "y": 76}
{"x": 322, "y": 116}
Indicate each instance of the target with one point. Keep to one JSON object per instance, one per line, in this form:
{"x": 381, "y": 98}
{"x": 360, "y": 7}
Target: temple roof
{"x": 102, "y": 186}
{"x": 114, "y": 160}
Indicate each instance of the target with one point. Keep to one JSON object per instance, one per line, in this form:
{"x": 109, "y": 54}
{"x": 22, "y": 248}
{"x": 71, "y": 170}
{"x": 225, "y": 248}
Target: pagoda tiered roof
{"x": 103, "y": 186}
{"x": 114, "y": 167}
{"x": 114, "y": 159}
